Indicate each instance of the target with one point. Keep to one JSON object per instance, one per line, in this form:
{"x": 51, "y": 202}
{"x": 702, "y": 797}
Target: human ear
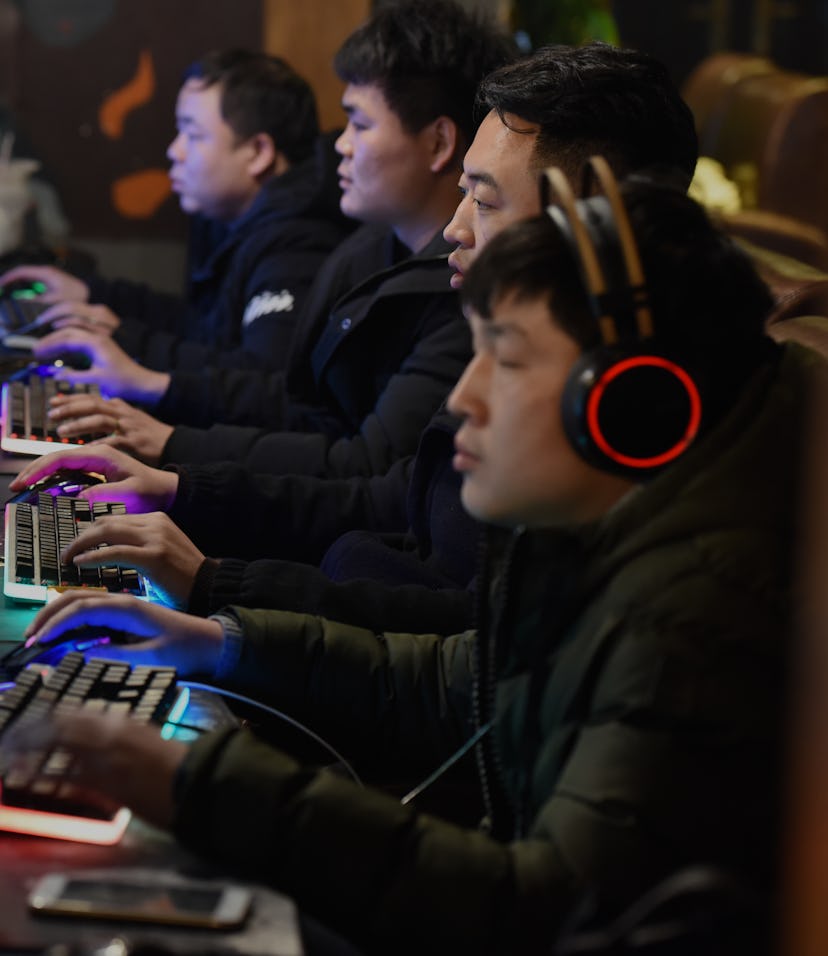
{"x": 265, "y": 157}
{"x": 444, "y": 143}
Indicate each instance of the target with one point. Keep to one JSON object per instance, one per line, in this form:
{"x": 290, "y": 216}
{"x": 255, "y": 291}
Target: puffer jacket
{"x": 245, "y": 296}
{"x": 634, "y": 673}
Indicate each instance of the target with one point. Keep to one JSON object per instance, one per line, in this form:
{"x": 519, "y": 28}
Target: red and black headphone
{"x": 628, "y": 407}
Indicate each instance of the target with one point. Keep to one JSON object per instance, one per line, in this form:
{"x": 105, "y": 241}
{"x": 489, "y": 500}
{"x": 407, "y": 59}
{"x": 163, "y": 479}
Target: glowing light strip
{"x": 656, "y": 460}
{"x": 176, "y": 713}
{"x": 60, "y": 826}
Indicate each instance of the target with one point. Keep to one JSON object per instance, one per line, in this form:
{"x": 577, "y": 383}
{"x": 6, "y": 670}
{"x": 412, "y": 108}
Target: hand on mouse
{"x": 140, "y": 487}
{"x": 152, "y": 543}
{"x": 60, "y": 285}
{"x": 116, "y": 422}
{"x": 111, "y": 368}
{"x": 165, "y": 637}
{"x": 97, "y": 319}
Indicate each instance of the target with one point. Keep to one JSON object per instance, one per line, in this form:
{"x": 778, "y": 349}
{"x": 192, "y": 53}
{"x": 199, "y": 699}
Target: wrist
{"x": 168, "y": 489}
{"x": 210, "y": 645}
{"x": 232, "y": 640}
{"x": 151, "y": 387}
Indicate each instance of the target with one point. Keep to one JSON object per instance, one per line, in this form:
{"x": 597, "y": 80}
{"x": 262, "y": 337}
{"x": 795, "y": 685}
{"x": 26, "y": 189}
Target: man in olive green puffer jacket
{"x": 632, "y": 650}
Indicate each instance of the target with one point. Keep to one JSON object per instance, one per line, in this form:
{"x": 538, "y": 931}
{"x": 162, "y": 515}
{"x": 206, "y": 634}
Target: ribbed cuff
{"x": 232, "y": 646}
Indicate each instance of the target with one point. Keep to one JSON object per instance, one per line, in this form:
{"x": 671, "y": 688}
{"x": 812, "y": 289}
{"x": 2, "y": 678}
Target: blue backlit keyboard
{"x": 37, "y": 793}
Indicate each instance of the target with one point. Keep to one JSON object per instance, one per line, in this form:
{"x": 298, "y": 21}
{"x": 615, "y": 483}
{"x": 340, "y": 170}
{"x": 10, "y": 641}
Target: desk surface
{"x": 271, "y": 928}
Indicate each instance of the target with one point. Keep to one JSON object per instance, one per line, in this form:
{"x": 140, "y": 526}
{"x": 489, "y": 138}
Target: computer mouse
{"x": 22, "y": 289}
{"x": 83, "y": 639}
{"x": 65, "y": 481}
{"x": 17, "y": 344}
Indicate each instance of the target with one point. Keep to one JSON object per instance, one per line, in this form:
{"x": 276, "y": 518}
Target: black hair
{"x": 596, "y": 99}
{"x": 708, "y": 303}
{"x": 262, "y": 94}
{"x": 427, "y": 57}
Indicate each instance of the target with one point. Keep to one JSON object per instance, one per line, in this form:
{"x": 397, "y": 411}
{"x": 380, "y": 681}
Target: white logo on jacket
{"x": 267, "y": 302}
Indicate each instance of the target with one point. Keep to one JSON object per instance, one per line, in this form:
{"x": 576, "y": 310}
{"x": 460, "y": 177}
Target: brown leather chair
{"x": 797, "y": 288}
{"x": 769, "y": 128}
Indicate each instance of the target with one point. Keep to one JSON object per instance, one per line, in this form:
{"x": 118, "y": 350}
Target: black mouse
{"x": 65, "y": 481}
{"x": 22, "y": 289}
{"x": 15, "y": 344}
{"x": 91, "y": 641}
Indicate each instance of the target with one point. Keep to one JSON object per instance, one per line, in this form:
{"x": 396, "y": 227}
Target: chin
{"x": 478, "y": 507}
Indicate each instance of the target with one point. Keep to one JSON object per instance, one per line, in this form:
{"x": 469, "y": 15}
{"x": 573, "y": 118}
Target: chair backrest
{"x": 769, "y": 128}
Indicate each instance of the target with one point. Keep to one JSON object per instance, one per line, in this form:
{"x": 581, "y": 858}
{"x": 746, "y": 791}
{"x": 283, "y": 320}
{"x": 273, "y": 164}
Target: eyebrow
{"x": 499, "y": 330}
{"x": 485, "y": 178}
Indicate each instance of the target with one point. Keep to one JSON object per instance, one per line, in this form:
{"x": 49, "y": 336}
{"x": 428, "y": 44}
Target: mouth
{"x": 456, "y": 279}
{"x": 464, "y": 460}
{"x": 344, "y": 181}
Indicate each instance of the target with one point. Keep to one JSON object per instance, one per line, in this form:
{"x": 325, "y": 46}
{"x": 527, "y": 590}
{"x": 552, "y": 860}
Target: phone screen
{"x": 189, "y": 905}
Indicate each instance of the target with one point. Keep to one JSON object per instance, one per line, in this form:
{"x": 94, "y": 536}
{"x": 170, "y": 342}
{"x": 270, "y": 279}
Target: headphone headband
{"x": 555, "y": 187}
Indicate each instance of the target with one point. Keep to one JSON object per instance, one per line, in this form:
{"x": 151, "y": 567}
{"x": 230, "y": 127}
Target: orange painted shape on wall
{"x": 136, "y": 92}
{"x": 138, "y": 195}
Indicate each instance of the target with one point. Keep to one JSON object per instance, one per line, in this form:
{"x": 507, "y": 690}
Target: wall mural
{"x": 94, "y": 93}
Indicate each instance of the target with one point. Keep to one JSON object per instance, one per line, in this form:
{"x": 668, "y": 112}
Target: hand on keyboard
{"x": 97, "y": 319}
{"x": 140, "y": 487}
{"x": 192, "y": 645}
{"x": 114, "y": 421}
{"x": 92, "y": 759}
{"x": 151, "y": 543}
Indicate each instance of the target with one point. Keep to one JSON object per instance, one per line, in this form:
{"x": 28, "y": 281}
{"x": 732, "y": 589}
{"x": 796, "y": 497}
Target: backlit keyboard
{"x": 37, "y": 792}
{"x": 36, "y": 533}
{"x": 24, "y": 407}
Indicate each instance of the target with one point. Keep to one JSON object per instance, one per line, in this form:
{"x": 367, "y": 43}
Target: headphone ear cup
{"x": 629, "y": 412}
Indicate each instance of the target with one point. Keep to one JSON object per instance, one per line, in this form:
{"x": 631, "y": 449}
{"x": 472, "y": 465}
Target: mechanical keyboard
{"x": 37, "y": 793}
{"x": 37, "y": 531}
{"x": 24, "y": 407}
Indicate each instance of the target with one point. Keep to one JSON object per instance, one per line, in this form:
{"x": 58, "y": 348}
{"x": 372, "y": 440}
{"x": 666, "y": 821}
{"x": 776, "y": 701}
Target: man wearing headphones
{"x": 626, "y": 681}
{"x": 339, "y": 548}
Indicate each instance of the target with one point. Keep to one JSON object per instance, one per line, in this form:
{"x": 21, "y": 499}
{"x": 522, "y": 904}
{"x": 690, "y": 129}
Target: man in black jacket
{"x": 382, "y": 338}
{"x": 248, "y": 159}
{"x": 396, "y": 551}
{"x": 639, "y": 458}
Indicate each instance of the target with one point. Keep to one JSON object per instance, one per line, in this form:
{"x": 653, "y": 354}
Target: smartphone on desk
{"x": 182, "y": 904}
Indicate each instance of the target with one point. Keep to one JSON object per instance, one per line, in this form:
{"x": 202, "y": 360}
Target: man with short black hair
{"x": 627, "y": 681}
{"x": 340, "y": 548}
{"x": 381, "y": 339}
{"x": 247, "y": 161}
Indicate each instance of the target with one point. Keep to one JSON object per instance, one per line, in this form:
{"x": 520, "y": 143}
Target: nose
{"x": 465, "y": 400}
{"x": 458, "y": 232}
{"x": 175, "y": 150}
{"x": 343, "y": 143}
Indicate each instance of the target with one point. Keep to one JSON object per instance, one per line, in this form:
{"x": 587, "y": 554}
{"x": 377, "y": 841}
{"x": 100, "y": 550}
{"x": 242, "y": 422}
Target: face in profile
{"x": 518, "y": 466}
{"x": 499, "y": 186}
{"x": 385, "y": 172}
{"x": 211, "y": 169}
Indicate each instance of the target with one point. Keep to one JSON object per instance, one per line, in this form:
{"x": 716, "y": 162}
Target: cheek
{"x": 485, "y": 229}
{"x": 364, "y": 160}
